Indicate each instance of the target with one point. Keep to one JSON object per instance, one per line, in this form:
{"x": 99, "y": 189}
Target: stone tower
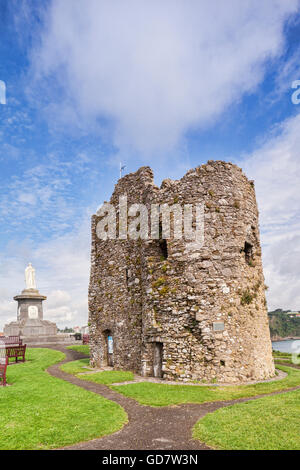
{"x": 183, "y": 311}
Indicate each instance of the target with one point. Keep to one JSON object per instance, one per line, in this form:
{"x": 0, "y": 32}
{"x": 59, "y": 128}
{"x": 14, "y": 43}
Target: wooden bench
{"x": 11, "y": 340}
{"x": 16, "y": 352}
{"x": 3, "y": 366}
{"x": 85, "y": 339}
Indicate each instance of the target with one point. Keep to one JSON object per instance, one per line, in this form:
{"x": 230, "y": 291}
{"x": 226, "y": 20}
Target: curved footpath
{"x": 148, "y": 428}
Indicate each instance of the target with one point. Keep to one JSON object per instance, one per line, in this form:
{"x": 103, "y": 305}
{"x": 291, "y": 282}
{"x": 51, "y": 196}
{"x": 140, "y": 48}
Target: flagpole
{"x": 122, "y": 167}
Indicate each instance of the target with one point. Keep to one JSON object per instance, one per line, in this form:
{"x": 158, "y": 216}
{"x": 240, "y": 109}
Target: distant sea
{"x": 290, "y": 345}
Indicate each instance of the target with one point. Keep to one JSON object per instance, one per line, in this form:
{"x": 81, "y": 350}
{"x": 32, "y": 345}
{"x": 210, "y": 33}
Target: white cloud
{"x": 64, "y": 269}
{"x": 62, "y": 273}
{"x": 275, "y": 167}
{"x": 8, "y": 310}
{"x": 44, "y": 197}
{"x": 288, "y": 72}
{"x": 58, "y": 298}
{"x": 61, "y": 314}
{"x": 27, "y": 198}
{"x": 156, "y": 68}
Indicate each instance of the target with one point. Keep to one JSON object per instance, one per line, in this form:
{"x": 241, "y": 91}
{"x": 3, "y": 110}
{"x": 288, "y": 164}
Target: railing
{"x": 11, "y": 340}
{"x": 85, "y": 339}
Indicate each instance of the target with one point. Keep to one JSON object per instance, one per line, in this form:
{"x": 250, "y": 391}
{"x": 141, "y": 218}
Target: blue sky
{"x": 167, "y": 84}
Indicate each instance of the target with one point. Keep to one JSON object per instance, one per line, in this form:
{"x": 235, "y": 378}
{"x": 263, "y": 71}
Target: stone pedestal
{"x": 30, "y": 324}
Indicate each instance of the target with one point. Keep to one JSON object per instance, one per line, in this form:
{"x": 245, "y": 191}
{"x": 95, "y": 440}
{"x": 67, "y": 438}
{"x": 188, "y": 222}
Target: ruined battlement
{"x": 177, "y": 308}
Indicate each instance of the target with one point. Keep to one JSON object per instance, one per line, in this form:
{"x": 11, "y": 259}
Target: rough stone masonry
{"x": 178, "y": 313}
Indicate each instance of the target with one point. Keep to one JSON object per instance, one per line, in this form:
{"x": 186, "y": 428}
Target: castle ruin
{"x": 177, "y": 310}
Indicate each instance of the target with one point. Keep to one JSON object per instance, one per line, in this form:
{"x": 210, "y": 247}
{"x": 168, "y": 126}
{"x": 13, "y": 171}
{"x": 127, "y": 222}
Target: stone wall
{"x": 205, "y": 305}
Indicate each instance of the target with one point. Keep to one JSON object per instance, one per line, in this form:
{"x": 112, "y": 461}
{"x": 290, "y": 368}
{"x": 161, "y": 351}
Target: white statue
{"x": 30, "y": 277}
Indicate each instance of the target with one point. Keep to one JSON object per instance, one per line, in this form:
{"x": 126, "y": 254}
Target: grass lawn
{"x": 83, "y": 348}
{"x": 105, "y": 377}
{"x": 289, "y": 358}
{"x": 280, "y": 353}
{"x": 269, "y": 423}
{"x": 286, "y": 360}
{"x": 153, "y": 394}
{"x": 39, "y": 411}
{"x": 108, "y": 377}
{"x": 75, "y": 367}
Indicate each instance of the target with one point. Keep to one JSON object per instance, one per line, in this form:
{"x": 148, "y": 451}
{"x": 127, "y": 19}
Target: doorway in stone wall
{"x": 157, "y": 359}
{"x": 109, "y": 352}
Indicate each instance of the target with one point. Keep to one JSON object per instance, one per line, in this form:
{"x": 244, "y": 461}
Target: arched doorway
{"x": 109, "y": 348}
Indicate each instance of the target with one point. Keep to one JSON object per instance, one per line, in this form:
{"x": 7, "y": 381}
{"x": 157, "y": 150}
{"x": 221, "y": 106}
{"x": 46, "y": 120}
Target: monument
{"x": 30, "y": 324}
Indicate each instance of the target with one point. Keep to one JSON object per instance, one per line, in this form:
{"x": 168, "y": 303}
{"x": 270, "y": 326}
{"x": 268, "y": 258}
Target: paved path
{"x": 148, "y": 428}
